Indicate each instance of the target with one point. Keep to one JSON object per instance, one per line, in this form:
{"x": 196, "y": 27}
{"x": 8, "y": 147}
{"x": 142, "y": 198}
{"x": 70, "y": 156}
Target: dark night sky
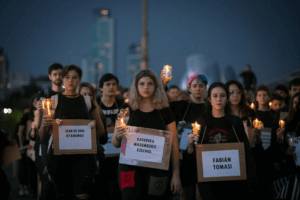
{"x": 263, "y": 33}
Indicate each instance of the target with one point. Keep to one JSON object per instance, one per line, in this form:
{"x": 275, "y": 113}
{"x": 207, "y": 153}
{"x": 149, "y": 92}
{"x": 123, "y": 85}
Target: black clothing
{"x": 266, "y": 117}
{"x": 189, "y": 112}
{"x": 5, "y": 186}
{"x": 47, "y": 93}
{"x": 111, "y": 112}
{"x": 72, "y": 171}
{"x": 249, "y": 79}
{"x": 194, "y": 110}
{"x": 3, "y": 142}
{"x": 143, "y": 184}
{"x": 110, "y": 165}
{"x": 275, "y": 125}
{"x": 221, "y": 131}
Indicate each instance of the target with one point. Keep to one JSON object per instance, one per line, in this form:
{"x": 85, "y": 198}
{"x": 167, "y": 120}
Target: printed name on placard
{"x": 222, "y": 166}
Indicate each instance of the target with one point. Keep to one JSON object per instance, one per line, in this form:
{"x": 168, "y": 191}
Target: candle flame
{"x": 126, "y": 100}
{"x": 252, "y": 105}
{"x": 270, "y": 104}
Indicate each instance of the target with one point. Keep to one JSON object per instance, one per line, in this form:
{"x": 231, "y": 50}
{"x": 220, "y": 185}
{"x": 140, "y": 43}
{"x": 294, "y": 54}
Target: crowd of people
{"x": 224, "y": 112}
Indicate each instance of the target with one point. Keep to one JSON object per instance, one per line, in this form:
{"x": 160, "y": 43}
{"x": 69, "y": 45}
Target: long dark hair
{"x": 31, "y": 107}
{"x": 208, "y": 113}
{"x": 244, "y": 108}
{"x": 292, "y": 112}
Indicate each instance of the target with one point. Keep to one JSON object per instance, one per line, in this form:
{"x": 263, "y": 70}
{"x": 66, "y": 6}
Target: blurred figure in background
{"x": 125, "y": 93}
{"x": 183, "y": 95}
{"x": 283, "y": 91}
{"x": 173, "y": 92}
{"x": 249, "y": 79}
{"x": 276, "y": 101}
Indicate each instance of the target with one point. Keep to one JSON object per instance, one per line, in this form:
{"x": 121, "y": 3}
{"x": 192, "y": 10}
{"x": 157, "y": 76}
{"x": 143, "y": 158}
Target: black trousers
{"x": 72, "y": 174}
{"x": 144, "y": 183}
{"x": 5, "y": 186}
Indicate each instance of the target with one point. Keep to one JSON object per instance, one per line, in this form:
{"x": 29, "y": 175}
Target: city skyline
{"x": 263, "y": 34}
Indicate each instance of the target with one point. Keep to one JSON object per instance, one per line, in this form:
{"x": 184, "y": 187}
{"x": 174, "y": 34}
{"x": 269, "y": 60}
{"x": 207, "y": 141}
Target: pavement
{"x": 14, "y": 183}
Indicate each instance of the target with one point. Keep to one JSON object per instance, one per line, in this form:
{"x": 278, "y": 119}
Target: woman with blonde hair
{"x": 148, "y": 106}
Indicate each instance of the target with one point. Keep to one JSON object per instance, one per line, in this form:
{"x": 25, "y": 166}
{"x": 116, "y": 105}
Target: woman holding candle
{"x": 149, "y": 108}
{"x": 287, "y": 174}
{"x": 219, "y": 126}
{"x": 72, "y": 175}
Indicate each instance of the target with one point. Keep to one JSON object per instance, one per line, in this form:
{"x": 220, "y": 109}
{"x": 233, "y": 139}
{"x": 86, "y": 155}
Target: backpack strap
{"x": 88, "y": 102}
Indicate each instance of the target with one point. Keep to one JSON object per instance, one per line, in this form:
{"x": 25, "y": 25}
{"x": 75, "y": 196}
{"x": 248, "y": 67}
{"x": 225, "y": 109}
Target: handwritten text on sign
{"x": 74, "y": 137}
{"x": 221, "y": 163}
{"x": 145, "y": 147}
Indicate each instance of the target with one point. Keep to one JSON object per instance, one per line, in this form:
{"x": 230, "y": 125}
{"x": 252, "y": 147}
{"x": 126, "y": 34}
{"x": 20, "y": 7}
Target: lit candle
{"x": 281, "y": 123}
{"x": 48, "y": 108}
{"x": 252, "y": 106}
{"x": 196, "y": 128}
{"x": 126, "y": 100}
{"x": 255, "y": 123}
{"x": 168, "y": 71}
{"x": 270, "y": 104}
{"x": 122, "y": 124}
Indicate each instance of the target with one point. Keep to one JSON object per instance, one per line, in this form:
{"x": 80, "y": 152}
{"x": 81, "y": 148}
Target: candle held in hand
{"x": 270, "y": 104}
{"x": 252, "y": 106}
{"x": 168, "y": 71}
{"x": 196, "y": 128}
{"x": 122, "y": 124}
{"x": 281, "y": 123}
{"x": 255, "y": 123}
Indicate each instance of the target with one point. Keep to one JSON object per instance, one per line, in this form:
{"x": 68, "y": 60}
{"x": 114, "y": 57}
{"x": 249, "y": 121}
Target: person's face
{"x": 56, "y": 77}
{"x": 218, "y": 98}
{"x": 71, "y": 80}
{"x": 235, "y": 95}
{"x": 294, "y": 90}
{"x": 295, "y": 101}
{"x": 109, "y": 88}
{"x": 85, "y": 91}
{"x": 126, "y": 95}
{"x": 276, "y": 105}
{"x": 197, "y": 89}
{"x": 146, "y": 87}
{"x": 281, "y": 93}
{"x": 173, "y": 93}
{"x": 262, "y": 97}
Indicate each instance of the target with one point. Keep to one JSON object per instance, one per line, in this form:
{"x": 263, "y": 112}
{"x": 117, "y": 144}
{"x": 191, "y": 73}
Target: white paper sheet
{"x": 74, "y": 137}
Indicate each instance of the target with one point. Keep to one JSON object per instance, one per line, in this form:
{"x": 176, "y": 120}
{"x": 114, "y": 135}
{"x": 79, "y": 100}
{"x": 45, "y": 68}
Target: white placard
{"x": 184, "y": 140}
{"x": 221, "y": 163}
{"x": 109, "y": 147}
{"x": 266, "y": 139}
{"x": 74, "y": 137}
{"x": 144, "y": 147}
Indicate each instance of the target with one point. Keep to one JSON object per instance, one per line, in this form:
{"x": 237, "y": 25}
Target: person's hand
{"x": 39, "y": 106}
{"x": 279, "y": 134}
{"x": 164, "y": 79}
{"x": 120, "y": 132}
{"x": 257, "y": 136}
{"x": 290, "y": 151}
{"x": 175, "y": 184}
{"x": 46, "y": 123}
{"x": 191, "y": 139}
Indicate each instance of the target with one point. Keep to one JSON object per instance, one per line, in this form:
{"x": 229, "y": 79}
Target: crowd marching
{"x": 265, "y": 128}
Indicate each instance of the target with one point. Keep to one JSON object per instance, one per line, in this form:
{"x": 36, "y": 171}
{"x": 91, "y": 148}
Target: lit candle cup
{"x": 258, "y": 124}
{"x": 126, "y": 100}
{"x": 270, "y": 104}
{"x": 252, "y": 106}
{"x": 168, "y": 71}
{"x": 122, "y": 124}
{"x": 46, "y": 104}
{"x": 196, "y": 129}
{"x": 281, "y": 123}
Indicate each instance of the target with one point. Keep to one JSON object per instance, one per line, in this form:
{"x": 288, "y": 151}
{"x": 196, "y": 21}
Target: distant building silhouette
{"x": 133, "y": 61}
{"x": 4, "y": 75}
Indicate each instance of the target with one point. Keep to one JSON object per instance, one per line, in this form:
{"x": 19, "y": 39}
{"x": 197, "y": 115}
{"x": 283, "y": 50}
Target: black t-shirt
{"x": 179, "y": 109}
{"x": 47, "y": 93}
{"x": 156, "y": 119}
{"x": 250, "y": 117}
{"x": 111, "y": 112}
{"x": 3, "y": 142}
{"x": 72, "y": 108}
{"x": 266, "y": 117}
{"x": 26, "y": 117}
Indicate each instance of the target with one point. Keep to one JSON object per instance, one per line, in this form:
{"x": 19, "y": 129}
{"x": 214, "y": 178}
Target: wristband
{"x": 117, "y": 139}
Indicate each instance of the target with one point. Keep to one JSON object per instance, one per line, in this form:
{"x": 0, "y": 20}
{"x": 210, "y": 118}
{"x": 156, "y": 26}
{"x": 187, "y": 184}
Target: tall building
{"x": 88, "y": 70}
{"x": 103, "y": 44}
{"x": 4, "y": 76}
{"x": 133, "y": 61}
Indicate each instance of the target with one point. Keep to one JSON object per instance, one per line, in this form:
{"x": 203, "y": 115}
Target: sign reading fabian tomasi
{"x": 221, "y": 163}
{"x": 74, "y": 137}
{"x": 145, "y": 147}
